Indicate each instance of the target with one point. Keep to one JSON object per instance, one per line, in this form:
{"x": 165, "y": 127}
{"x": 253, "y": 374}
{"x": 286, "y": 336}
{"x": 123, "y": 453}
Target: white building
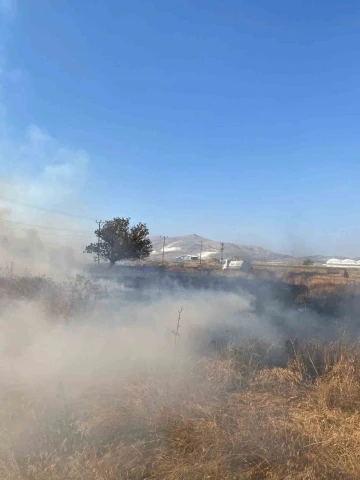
{"x": 243, "y": 265}
{"x": 187, "y": 258}
{"x": 333, "y": 261}
{"x": 347, "y": 262}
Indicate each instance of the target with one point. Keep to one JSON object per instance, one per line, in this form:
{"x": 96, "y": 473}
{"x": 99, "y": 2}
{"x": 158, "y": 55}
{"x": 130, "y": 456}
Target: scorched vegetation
{"x": 255, "y": 410}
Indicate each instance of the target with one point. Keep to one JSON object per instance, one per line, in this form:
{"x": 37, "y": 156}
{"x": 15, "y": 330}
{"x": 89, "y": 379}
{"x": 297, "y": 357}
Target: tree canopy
{"x": 118, "y": 241}
{"x": 308, "y": 261}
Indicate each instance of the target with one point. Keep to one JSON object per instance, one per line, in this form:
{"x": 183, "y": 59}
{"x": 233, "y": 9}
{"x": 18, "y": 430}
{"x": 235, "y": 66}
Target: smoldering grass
{"x": 212, "y": 424}
{"x": 243, "y": 410}
{"x": 59, "y": 300}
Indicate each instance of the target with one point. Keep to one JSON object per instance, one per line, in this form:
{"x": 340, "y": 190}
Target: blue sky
{"x": 237, "y": 120}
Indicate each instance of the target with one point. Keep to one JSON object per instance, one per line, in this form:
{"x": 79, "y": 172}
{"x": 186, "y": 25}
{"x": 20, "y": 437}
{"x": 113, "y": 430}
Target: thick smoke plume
{"x": 112, "y": 336}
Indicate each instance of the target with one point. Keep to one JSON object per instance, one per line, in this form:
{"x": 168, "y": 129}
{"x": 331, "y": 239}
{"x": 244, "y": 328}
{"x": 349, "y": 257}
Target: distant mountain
{"x": 191, "y": 244}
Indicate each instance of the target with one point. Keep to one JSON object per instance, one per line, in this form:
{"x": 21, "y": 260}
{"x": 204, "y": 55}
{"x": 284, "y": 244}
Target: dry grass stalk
{"x": 230, "y": 415}
{"x": 230, "y": 419}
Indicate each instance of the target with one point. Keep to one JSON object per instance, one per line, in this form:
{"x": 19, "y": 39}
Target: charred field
{"x": 204, "y": 377}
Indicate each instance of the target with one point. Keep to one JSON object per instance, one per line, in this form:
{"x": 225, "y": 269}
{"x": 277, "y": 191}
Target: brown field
{"x": 320, "y": 281}
{"x": 227, "y": 418}
{"x": 232, "y": 414}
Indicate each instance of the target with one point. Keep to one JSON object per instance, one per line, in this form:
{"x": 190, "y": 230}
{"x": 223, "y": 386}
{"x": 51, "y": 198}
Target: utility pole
{"x": 201, "y": 246}
{"x": 163, "y": 252}
{"x": 222, "y": 246}
{"x": 99, "y": 222}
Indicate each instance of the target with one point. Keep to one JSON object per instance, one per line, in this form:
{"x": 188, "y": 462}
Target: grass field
{"x": 258, "y": 410}
{"x": 228, "y": 417}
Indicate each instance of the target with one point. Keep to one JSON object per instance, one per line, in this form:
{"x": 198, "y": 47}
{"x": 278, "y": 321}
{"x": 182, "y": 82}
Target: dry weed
{"x": 233, "y": 414}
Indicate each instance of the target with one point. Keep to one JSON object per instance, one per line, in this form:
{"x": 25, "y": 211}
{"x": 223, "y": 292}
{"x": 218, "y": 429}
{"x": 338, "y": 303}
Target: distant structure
{"x": 187, "y": 258}
{"x": 222, "y": 247}
{"x": 243, "y": 265}
{"x": 348, "y": 262}
{"x": 333, "y": 261}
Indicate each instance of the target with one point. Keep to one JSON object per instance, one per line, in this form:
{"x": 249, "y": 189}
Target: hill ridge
{"x": 190, "y": 244}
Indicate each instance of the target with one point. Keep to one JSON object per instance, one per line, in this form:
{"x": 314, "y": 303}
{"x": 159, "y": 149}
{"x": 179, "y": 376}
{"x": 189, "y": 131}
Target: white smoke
{"x": 39, "y": 177}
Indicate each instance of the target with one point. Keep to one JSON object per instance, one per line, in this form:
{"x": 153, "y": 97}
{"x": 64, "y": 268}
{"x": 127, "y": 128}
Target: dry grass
{"x": 228, "y": 415}
{"x": 324, "y": 288}
{"x": 60, "y": 300}
{"x": 227, "y": 418}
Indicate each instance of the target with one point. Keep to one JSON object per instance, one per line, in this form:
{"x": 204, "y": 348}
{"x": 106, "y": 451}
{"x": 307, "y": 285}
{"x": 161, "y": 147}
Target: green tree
{"x": 118, "y": 241}
{"x": 308, "y": 262}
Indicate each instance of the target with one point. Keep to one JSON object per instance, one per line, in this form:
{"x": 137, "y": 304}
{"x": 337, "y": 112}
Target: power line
{"x": 65, "y": 235}
{"x": 58, "y": 212}
{"x": 47, "y": 227}
{"x": 62, "y": 234}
